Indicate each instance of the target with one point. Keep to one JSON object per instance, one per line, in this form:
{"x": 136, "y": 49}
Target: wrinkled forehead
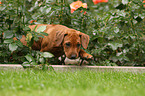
{"x": 72, "y": 37}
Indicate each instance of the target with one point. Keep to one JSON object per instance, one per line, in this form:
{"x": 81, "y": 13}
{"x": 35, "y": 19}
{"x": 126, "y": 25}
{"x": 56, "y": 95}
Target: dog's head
{"x": 72, "y": 41}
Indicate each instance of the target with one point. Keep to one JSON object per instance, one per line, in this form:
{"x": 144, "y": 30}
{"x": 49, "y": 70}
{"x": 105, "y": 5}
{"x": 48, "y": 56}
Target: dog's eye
{"x": 78, "y": 45}
{"x": 67, "y": 44}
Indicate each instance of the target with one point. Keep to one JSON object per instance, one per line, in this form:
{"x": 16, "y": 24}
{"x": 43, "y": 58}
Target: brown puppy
{"x": 61, "y": 40}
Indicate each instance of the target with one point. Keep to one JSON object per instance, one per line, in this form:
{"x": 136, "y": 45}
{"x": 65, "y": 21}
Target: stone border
{"x": 99, "y": 68}
{"x": 11, "y": 65}
{"x": 85, "y": 66}
{"x": 74, "y": 67}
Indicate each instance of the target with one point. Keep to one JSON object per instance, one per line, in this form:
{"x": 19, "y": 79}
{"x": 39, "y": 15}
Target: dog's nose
{"x": 73, "y": 56}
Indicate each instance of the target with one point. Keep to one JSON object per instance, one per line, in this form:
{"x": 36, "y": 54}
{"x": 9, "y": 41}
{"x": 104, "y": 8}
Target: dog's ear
{"x": 60, "y": 37}
{"x": 84, "y": 40}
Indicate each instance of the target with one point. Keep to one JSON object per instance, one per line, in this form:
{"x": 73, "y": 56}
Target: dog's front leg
{"x": 85, "y": 55}
{"x": 62, "y": 60}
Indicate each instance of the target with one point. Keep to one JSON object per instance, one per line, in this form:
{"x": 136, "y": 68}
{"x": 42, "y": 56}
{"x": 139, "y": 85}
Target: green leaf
{"x": 13, "y": 47}
{"x": 18, "y": 36}
{"x": 35, "y": 28}
{"x": 8, "y": 40}
{"x": 116, "y": 29}
{"x": 51, "y": 68}
{"x": 42, "y": 9}
{"x": 36, "y": 38}
{"x": 44, "y": 67}
{"x": 19, "y": 43}
{"x": 41, "y": 36}
{"x": 34, "y": 63}
{"x": 29, "y": 58}
{"x": 48, "y": 10}
{"x": 115, "y": 3}
{"x": 141, "y": 16}
{"x": 114, "y": 58}
{"x": 43, "y": 33}
{"x": 124, "y": 1}
{"x": 8, "y": 34}
{"x": 1, "y": 31}
{"x": 126, "y": 58}
{"x": 52, "y": 13}
{"x": 47, "y": 55}
{"x": 27, "y": 28}
{"x": 134, "y": 21}
{"x": 42, "y": 61}
{"x": 114, "y": 46}
{"x": 2, "y": 8}
{"x": 121, "y": 13}
{"x": 27, "y": 65}
{"x": 41, "y": 29}
{"x": 29, "y": 37}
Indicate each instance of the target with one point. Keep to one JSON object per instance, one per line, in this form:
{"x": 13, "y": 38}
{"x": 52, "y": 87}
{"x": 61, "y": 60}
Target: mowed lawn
{"x": 71, "y": 83}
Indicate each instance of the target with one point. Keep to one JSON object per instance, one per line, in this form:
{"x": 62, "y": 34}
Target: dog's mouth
{"x": 73, "y": 56}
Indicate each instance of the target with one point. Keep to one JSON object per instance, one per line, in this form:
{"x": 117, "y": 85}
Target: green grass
{"x": 77, "y": 83}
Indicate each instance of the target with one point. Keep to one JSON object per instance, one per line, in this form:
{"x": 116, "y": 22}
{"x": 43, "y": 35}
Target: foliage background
{"x": 116, "y": 28}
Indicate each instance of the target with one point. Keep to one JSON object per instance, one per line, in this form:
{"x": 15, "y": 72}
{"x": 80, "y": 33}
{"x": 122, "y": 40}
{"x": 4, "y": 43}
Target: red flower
{"x": 144, "y": 3}
{"x": 75, "y": 5}
{"x": 33, "y": 21}
{"x": 84, "y": 12}
{"x": 99, "y": 1}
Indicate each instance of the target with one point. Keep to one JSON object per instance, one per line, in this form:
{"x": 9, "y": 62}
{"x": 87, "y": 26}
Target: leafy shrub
{"x": 119, "y": 36}
{"x": 116, "y": 28}
{"x": 116, "y": 32}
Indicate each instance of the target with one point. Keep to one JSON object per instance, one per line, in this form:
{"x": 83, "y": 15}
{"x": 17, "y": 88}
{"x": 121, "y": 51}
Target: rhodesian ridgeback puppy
{"x": 61, "y": 40}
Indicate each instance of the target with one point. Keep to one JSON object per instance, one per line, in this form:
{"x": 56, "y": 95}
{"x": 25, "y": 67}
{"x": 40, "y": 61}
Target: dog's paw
{"x": 86, "y": 56}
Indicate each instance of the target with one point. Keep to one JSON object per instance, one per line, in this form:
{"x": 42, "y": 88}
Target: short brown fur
{"x": 61, "y": 40}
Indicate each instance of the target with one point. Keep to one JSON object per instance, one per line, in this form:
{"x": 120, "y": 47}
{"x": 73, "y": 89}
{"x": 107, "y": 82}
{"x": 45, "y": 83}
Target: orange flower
{"x": 33, "y": 21}
{"x": 75, "y": 5}
{"x": 0, "y": 2}
{"x": 144, "y": 3}
{"x": 84, "y": 5}
{"x": 99, "y": 1}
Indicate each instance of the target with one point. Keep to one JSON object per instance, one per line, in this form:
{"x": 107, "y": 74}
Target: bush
{"x": 116, "y": 28}
{"x": 119, "y": 36}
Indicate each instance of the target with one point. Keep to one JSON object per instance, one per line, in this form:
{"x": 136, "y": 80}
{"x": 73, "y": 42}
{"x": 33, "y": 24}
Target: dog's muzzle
{"x": 73, "y": 56}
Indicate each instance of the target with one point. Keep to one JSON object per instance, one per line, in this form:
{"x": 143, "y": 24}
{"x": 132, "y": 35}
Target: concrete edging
{"x": 74, "y": 67}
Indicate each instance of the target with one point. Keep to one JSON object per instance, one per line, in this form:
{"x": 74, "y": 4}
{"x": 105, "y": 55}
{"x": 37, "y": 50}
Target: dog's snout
{"x": 73, "y": 56}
